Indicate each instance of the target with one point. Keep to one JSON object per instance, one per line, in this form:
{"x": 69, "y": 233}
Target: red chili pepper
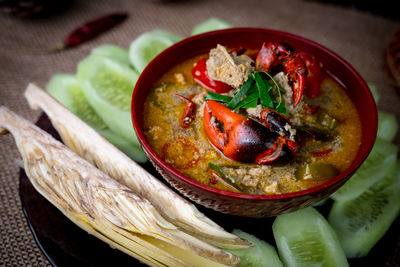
{"x": 315, "y": 75}
{"x": 89, "y": 30}
{"x": 190, "y": 112}
{"x": 322, "y": 153}
{"x": 200, "y": 75}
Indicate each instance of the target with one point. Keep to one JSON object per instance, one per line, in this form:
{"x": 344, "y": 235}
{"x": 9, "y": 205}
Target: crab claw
{"x": 280, "y": 124}
{"x": 277, "y": 56}
{"x": 315, "y": 75}
{"x": 297, "y": 73}
{"x": 241, "y": 138}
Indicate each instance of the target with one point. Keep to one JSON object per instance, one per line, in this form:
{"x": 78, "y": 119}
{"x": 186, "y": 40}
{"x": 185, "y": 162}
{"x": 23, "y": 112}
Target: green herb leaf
{"x": 250, "y": 98}
{"x": 263, "y": 91}
{"x": 225, "y": 177}
{"x": 242, "y": 92}
{"x": 218, "y": 97}
{"x": 281, "y": 108}
{"x": 252, "y": 104}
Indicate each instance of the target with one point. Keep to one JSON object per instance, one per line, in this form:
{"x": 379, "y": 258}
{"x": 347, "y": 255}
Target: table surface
{"x": 359, "y": 37}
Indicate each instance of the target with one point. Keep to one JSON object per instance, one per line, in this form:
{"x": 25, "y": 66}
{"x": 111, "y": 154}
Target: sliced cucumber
{"x": 108, "y": 85}
{"x": 67, "y": 90}
{"x": 374, "y": 92}
{"x": 387, "y": 126}
{"x": 321, "y": 203}
{"x": 379, "y": 162}
{"x": 212, "y": 24}
{"x": 148, "y": 45}
{"x": 362, "y": 221}
{"x": 113, "y": 52}
{"x": 305, "y": 238}
{"x": 261, "y": 254}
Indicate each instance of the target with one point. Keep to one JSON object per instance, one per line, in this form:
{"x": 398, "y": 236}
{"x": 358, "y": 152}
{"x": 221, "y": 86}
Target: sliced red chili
{"x": 200, "y": 75}
{"x": 322, "y": 153}
{"x": 180, "y": 153}
{"x": 190, "y": 112}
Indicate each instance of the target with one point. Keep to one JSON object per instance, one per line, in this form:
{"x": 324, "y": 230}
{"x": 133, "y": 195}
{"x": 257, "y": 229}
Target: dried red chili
{"x": 190, "y": 111}
{"x": 90, "y": 30}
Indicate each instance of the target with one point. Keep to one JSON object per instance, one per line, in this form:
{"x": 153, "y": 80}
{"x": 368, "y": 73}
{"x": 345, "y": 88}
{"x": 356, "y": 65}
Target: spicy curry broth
{"x": 184, "y": 147}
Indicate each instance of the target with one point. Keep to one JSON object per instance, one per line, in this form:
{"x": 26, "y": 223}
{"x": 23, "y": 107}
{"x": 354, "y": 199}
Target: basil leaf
{"x": 252, "y": 104}
{"x": 242, "y": 92}
{"x": 218, "y": 97}
{"x": 250, "y": 98}
{"x": 265, "y": 97}
{"x": 225, "y": 177}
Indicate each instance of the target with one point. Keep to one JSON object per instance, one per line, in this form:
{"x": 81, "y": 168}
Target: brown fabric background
{"x": 359, "y": 37}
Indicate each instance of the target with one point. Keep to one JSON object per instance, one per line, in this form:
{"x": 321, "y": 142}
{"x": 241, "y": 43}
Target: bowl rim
{"x": 362, "y": 153}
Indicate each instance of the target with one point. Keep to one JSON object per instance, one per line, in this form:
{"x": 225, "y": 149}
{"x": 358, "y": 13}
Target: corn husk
{"x": 102, "y": 206}
{"x": 90, "y": 145}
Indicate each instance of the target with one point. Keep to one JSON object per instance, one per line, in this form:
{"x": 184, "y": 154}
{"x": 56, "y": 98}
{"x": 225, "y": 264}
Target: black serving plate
{"x": 65, "y": 244}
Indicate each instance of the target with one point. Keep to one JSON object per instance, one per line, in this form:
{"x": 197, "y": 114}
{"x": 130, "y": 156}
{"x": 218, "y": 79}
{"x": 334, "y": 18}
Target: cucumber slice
{"x": 387, "y": 126}
{"x": 261, "y": 254}
{"x": 379, "y": 162}
{"x": 67, "y": 90}
{"x": 321, "y": 203}
{"x": 114, "y": 52}
{"x": 374, "y": 92}
{"x": 304, "y": 238}
{"x": 362, "y": 221}
{"x": 148, "y": 45}
{"x": 212, "y": 24}
{"x": 108, "y": 85}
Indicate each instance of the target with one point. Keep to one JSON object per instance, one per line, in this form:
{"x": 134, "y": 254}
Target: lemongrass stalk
{"x": 101, "y": 205}
{"x": 97, "y": 150}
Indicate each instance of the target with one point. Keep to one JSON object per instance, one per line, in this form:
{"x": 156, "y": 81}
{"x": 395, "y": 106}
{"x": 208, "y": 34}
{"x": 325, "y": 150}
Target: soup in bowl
{"x": 253, "y": 122}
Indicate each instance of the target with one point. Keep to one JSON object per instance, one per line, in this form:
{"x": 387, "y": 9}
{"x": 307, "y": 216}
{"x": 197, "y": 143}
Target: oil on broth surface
{"x": 189, "y": 151}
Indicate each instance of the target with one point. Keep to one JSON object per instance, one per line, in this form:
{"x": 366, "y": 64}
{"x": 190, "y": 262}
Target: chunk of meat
{"x": 229, "y": 68}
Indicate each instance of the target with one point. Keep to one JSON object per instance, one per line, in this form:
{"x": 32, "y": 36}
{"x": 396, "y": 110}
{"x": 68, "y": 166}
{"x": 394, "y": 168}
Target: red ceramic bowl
{"x": 245, "y": 204}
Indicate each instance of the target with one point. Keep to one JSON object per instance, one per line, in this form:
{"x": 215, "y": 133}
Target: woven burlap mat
{"x": 358, "y": 37}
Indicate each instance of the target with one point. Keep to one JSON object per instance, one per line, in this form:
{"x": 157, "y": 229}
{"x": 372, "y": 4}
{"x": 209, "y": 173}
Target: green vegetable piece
{"x": 263, "y": 91}
{"x": 108, "y": 84}
{"x": 252, "y": 104}
{"x": 316, "y": 131}
{"x": 249, "y": 99}
{"x": 241, "y": 93}
{"x": 261, "y": 254}
{"x": 225, "y": 177}
{"x": 218, "y": 97}
{"x": 305, "y": 238}
{"x": 280, "y": 107}
{"x": 387, "y": 126}
{"x": 67, "y": 90}
{"x": 380, "y": 161}
{"x": 327, "y": 121}
{"x": 212, "y": 24}
{"x": 148, "y": 45}
{"x": 321, "y": 203}
{"x": 112, "y": 51}
{"x": 374, "y": 92}
{"x": 315, "y": 170}
{"x": 362, "y": 221}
